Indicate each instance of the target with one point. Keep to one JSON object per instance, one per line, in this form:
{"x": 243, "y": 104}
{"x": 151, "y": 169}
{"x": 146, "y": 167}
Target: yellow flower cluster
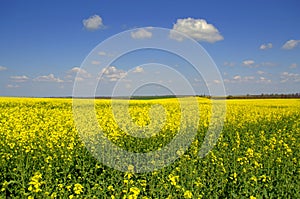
{"x": 42, "y": 155}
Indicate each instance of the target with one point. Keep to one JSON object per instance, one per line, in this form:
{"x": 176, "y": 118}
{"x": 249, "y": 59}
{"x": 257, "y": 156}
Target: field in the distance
{"x": 257, "y": 154}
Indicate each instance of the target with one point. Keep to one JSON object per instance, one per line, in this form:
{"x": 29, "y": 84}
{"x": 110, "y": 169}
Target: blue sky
{"x": 255, "y": 44}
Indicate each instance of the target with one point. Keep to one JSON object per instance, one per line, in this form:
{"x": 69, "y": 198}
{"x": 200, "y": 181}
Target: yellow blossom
{"x": 188, "y": 194}
{"x": 78, "y": 189}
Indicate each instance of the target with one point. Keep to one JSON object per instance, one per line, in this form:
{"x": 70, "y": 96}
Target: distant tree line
{"x": 265, "y": 96}
{"x": 248, "y": 96}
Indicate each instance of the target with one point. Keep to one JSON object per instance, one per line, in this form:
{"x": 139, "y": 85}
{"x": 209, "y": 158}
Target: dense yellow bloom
{"x": 135, "y": 190}
{"x": 71, "y": 196}
{"x": 36, "y": 183}
{"x": 250, "y": 153}
{"x": 78, "y": 189}
{"x": 173, "y": 179}
{"x": 188, "y": 194}
{"x": 258, "y": 138}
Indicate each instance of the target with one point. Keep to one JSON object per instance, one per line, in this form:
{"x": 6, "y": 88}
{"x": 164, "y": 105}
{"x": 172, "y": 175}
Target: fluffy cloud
{"x": 249, "y": 63}
{"x": 2, "y": 68}
{"x": 142, "y": 33}
{"x": 138, "y": 70}
{"x": 291, "y": 44}
{"x": 263, "y": 80}
{"x": 93, "y": 23}
{"x": 286, "y": 76}
{"x": 79, "y": 71}
{"x": 21, "y": 78}
{"x": 197, "y": 29}
{"x": 239, "y": 79}
{"x": 252, "y": 64}
{"x": 266, "y": 46}
{"x": 76, "y": 70}
{"x": 112, "y": 74}
{"x": 81, "y": 74}
{"x": 48, "y": 78}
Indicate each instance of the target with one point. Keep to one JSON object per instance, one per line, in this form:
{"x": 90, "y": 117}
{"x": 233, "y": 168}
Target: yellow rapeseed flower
{"x": 188, "y": 194}
{"x": 78, "y": 188}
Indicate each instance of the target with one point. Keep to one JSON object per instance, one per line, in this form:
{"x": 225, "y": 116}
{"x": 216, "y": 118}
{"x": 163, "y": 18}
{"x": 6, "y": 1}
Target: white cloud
{"x": 142, "y": 33}
{"x": 12, "y": 86}
{"x": 240, "y": 79}
{"x": 266, "y": 46}
{"x": 93, "y": 23}
{"x": 2, "y": 68}
{"x": 293, "y": 65}
{"x": 263, "y": 80}
{"x": 21, "y": 78}
{"x": 48, "y": 78}
{"x": 286, "y": 76}
{"x": 252, "y": 64}
{"x": 250, "y": 79}
{"x": 237, "y": 77}
{"x": 111, "y": 73}
{"x": 249, "y": 63}
{"x": 291, "y": 44}
{"x": 77, "y": 70}
{"x": 80, "y": 72}
{"x": 138, "y": 70}
{"x": 197, "y": 29}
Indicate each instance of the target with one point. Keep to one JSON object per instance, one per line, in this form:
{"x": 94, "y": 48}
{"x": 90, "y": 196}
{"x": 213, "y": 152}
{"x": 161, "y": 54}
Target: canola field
{"x": 256, "y": 155}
